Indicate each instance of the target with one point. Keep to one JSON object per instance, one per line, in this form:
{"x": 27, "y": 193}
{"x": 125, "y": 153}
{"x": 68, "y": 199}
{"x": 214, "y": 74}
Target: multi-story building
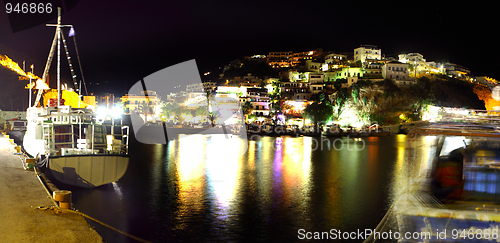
{"x": 344, "y": 73}
{"x": 417, "y": 60}
{"x": 260, "y": 108}
{"x": 248, "y": 80}
{"x": 201, "y": 87}
{"x": 457, "y": 71}
{"x": 253, "y": 94}
{"x": 139, "y": 102}
{"x": 435, "y": 67}
{"x": 292, "y": 88}
{"x": 316, "y": 82}
{"x": 279, "y": 59}
{"x": 196, "y": 87}
{"x": 298, "y": 57}
{"x": 312, "y": 66}
{"x": 395, "y": 70}
{"x": 367, "y": 52}
{"x": 334, "y": 58}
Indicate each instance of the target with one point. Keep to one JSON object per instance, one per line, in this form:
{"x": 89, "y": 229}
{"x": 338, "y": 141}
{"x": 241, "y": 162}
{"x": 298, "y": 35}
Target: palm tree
{"x": 145, "y": 108}
{"x": 247, "y": 109}
{"x": 211, "y": 115}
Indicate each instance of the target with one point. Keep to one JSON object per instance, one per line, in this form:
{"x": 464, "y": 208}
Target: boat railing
{"x": 70, "y": 135}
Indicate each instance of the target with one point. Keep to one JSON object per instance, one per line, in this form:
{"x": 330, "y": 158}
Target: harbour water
{"x": 189, "y": 191}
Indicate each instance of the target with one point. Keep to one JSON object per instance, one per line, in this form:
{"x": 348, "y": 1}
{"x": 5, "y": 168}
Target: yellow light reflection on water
{"x": 191, "y": 158}
{"x": 401, "y": 180}
{"x": 251, "y": 155}
{"x": 223, "y": 168}
{"x": 264, "y": 168}
{"x": 296, "y": 165}
{"x": 190, "y": 164}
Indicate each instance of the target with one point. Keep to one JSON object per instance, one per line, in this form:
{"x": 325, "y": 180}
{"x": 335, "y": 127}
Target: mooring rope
{"x": 59, "y": 210}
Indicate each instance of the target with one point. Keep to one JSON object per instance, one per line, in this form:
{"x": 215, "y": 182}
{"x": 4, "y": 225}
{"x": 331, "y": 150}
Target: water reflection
{"x": 401, "y": 169}
{"x": 199, "y": 188}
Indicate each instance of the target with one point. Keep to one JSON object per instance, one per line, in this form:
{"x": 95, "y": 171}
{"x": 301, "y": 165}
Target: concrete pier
{"x": 20, "y": 194}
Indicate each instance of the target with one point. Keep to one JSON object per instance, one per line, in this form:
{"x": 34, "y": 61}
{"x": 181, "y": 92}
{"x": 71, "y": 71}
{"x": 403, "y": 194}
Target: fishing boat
{"x": 453, "y": 187}
{"x": 72, "y": 143}
{"x": 77, "y": 147}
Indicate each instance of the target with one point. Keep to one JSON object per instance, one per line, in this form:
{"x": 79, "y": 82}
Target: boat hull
{"x": 88, "y": 171}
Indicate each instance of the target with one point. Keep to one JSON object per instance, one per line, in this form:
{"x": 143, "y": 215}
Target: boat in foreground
{"x": 453, "y": 191}
{"x": 69, "y": 140}
{"x": 76, "y": 147}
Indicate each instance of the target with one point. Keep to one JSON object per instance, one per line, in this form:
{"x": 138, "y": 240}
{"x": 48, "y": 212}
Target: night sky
{"x": 122, "y": 41}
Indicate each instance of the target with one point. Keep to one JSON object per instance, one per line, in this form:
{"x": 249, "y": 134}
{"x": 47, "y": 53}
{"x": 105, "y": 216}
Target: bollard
{"x": 63, "y": 197}
{"x": 30, "y": 163}
{"x": 18, "y": 150}
{"x": 11, "y": 141}
{"x": 7, "y": 136}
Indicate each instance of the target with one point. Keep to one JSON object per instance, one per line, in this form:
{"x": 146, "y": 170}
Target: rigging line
{"x": 70, "y": 64}
{"x": 80, "y": 64}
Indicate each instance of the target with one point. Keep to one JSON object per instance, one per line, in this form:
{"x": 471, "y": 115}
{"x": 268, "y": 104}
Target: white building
{"x": 316, "y": 78}
{"x": 316, "y": 88}
{"x": 260, "y": 108}
{"x": 415, "y": 59}
{"x": 395, "y": 70}
{"x": 201, "y": 87}
{"x": 334, "y": 58}
{"x": 367, "y": 52}
{"x": 457, "y": 71}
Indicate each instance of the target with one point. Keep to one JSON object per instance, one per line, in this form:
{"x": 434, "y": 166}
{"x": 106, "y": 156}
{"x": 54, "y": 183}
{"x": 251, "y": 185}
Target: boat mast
{"x": 58, "y": 33}
{"x": 57, "y": 40}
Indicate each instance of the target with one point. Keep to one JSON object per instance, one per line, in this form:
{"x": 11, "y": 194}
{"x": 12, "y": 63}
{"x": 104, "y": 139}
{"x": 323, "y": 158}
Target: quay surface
{"x": 20, "y": 194}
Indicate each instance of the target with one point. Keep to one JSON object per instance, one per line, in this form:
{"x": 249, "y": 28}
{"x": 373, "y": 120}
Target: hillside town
{"x": 278, "y": 87}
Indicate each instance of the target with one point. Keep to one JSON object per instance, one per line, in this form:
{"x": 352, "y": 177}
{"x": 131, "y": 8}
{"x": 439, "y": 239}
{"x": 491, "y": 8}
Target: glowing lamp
{"x": 101, "y": 113}
{"x": 116, "y": 112}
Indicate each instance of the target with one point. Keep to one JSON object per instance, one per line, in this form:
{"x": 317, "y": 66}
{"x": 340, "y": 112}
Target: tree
{"x": 179, "y": 113}
{"x": 339, "y": 100}
{"x": 211, "y": 115}
{"x": 145, "y": 108}
{"x": 247, "y": 109}
{"x": 319, "y": 111}
{"x": 167, "y": 109}
{"x": 276, "y": 102}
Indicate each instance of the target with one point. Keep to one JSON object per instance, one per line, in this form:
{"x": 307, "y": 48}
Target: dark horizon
{"x": 121, "y": 43}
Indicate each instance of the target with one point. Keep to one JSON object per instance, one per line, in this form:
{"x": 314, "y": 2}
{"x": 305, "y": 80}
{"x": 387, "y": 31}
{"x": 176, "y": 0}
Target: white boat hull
{"x": 88, "y": 170}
